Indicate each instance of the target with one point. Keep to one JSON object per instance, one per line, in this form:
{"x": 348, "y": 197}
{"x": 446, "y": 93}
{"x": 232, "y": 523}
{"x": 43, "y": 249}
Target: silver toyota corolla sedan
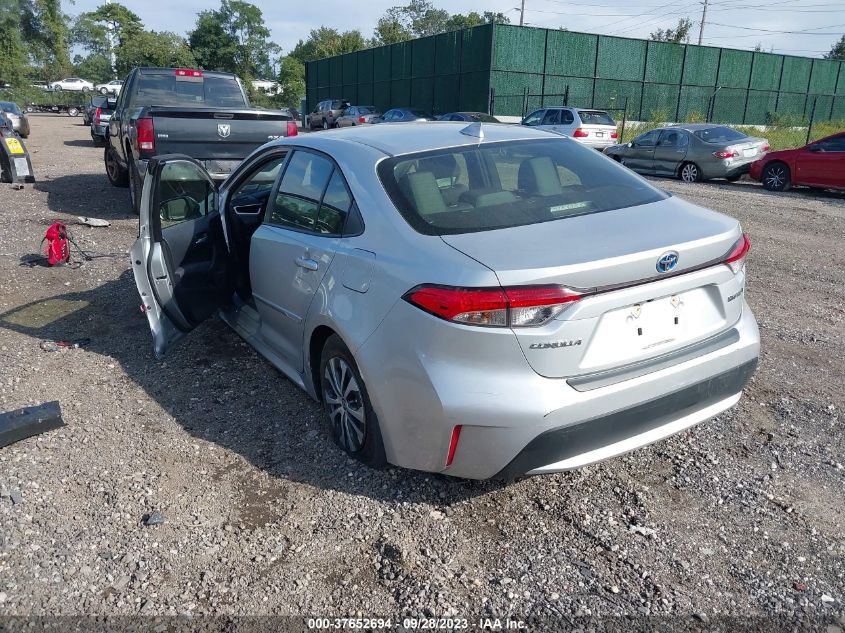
{"x": 472, "y": 299}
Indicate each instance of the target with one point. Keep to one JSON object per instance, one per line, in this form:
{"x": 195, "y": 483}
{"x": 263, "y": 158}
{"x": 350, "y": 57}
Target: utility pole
{"x": 703, "y": 20}
{"x": 522, "y": 13}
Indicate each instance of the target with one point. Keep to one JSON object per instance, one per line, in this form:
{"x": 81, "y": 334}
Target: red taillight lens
{"x": 579, "y": 133}
{"x": 361, "y": 119}
{"x": 735, "y": 259}
{"x": 97, "y": 114}
{"x": 614, "y": 135}
{"x": 146, "y": 135}
{"x": 519, "y": 306}
{"x": 293, "y": 130}
{"x": 726, "y": 153}
{"x": 186, "y": 72}
{"x": 765, "y": 148}
{"x": 453, "y": 444}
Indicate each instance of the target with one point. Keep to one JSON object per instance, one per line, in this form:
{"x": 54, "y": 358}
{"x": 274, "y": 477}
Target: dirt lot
{"x": 742, "y": 515}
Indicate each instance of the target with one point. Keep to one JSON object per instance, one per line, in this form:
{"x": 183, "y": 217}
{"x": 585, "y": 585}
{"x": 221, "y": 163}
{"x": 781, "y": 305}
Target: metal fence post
{"x": 812, "y": 116}
{"x": 491, "y": 100}
{"x": 566, "y": 96}
{"x": 524, "y": 101}
{"x": 624, "y": 119}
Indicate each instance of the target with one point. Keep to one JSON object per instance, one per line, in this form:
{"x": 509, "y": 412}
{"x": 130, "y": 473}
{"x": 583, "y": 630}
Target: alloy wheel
{"x": 775, "y": 178}
{"x": 111, "y": 166}
{"x": 342, "y": 394}
{"x": 689, "y": 173}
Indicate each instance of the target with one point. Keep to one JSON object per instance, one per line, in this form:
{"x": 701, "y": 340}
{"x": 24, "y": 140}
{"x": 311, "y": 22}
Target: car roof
{"x": 150, "y": 70}
{"x": 692, "y": 127}
{"x": 417, "y": 137}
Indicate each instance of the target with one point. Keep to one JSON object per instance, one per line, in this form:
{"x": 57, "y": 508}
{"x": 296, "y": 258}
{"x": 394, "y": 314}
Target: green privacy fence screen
{"x": 510, "y": 70}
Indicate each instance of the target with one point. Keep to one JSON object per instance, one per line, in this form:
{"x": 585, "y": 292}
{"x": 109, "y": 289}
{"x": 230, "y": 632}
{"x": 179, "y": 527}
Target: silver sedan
{"x": 20, "y": 122}
{"x": 475, "y": 299}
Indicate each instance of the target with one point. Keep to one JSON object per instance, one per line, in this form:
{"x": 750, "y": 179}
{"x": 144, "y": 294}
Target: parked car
{"x": 205, "y": 114}
{"x": 820, "y": 164}
{"x": 594, "y": 128}
{"x": 74, "y": 84}
{"x": 357, "y": 115}
{"x": 691, "y": 152}
{"x": 466, "y": 324}
{"x": 468, "y": 116}
{"x": 100, "y": 121}
{"x": 90, "y": 107}
{"x": 326, "y": 113}
{"x": 112, "y": 87}
{"x": 403, "y": 115}
{"x": 19, "y": 120}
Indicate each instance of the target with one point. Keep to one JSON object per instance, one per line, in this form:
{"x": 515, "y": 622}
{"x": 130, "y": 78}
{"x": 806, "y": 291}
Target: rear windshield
{"x": 168, "y": 90}
{"x": 8, "y": 106}
{"x": 484, "y": 118}
{"x": 720, "y": 134}
{"x": 420, "y": 113}
{"x": 366, "y": 110}
{"x": 498, "y": 185}
{"x": 589, "y": 117}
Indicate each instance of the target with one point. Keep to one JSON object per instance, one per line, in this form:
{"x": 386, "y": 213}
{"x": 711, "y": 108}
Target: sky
{"x": 797, "y": 27}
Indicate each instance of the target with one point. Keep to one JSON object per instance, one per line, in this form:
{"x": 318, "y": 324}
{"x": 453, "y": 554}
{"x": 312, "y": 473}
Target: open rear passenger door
{"x": 180, "y": 259}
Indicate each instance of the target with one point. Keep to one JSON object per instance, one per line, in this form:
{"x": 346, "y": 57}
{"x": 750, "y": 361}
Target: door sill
{"x": 246, "y": 321}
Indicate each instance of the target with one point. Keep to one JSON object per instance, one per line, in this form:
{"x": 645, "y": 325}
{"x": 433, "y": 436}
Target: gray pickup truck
{"x": 205, "y": 115}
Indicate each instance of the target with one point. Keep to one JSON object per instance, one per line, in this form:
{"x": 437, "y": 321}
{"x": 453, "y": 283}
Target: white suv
{"x": 591, "y": 127}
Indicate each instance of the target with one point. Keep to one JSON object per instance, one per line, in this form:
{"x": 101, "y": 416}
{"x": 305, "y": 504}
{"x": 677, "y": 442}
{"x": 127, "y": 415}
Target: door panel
{"x": 180, "y": 259}
{"x": 640, "y": 156}
{"x": 822, "y": 163}
{"x": 669, "y": 152}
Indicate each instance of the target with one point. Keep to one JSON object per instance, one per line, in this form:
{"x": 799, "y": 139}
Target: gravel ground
{"x": 742, "y": 515}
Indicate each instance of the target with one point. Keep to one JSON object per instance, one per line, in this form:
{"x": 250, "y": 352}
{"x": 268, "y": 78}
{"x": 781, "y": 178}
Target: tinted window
{"x": 552, "y": 117}
{"x": 835, "y": 144}
{"x": 335, "y": 206}
{"x": 673, "y": 138}
{"x": 566, "y": 117}
{"x": 500, "y": 185}
{"x": 298, "y": 198}
{"x": 649, "y": 139}
{"x": 167, "y": 89}
{"x": 366, "y": 110}
{"x": 98, "y": 102}
{"x": 421, "y": 113}
{"x": 251, "y": 196}
{"x": 720, "y": 134}
{"x": 534, "y": 118}
{"x": 589, "y": 117}
{"x": 184, "y": 193}
{"x": 7, "y": 106}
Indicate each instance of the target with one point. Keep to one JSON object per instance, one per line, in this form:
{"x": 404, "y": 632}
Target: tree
{"x": 678, "y": 35}
{"x": 837, "y": 51}
{"x": 234, "y": 38}
{"x": 103, "y": 32}
{"x": 95, "y": 67}
{"x": 390, "y": 30}
{"x": 419, "y": 18}
{"x": 45, "y": 34}
{"x": 151, "y": 48}
{"x": 326, "y": 42}
{"x": 461, "y": 21}
{"x": 292, "y": 80}
{"x": 13, "y": 59}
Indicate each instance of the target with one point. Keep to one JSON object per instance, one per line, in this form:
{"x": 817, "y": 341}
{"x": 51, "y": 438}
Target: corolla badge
{"x": 667, "y": 261}
{"x": 224, "y": 130}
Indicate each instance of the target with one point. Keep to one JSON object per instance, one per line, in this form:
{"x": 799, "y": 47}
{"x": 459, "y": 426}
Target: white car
{"x": 112, "y": 87}
{"x": 74, "y": 84}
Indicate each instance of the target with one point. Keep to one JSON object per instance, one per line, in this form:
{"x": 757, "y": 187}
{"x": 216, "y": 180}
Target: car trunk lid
{"x": 631, "y": 312}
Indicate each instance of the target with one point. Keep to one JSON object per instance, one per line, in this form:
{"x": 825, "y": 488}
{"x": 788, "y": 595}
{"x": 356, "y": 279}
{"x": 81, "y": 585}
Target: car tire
{"x": 351, "y": 418}
{"x": 733, "y": 178}
{"x": 73, "y": 111}
{"x": 690, "y": 172}
{"x": 116, "y": 174}
{"x": 776, "y": 177}
{"x": 326, "y": 125}
{"x": 134, "y": 189}
{"x": 57, "y": 88}
{"x": 30, "y": 109}
{"x": 103, "y": 91}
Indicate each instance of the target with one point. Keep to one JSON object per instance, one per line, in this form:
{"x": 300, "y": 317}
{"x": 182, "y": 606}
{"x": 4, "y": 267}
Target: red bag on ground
{"x": 57, "y": 249}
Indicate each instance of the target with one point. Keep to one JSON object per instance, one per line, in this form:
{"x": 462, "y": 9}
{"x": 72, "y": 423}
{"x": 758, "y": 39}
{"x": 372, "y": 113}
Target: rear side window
{"x": 552, "y": 117}
{"x": 834, "y": 144}
{"x": 720, "y": 134}
{"x": 312, "y": 196}
{"x": 589, "y": 117}
{"x": 499, "y": 185}
{"x": 208, "y": 91}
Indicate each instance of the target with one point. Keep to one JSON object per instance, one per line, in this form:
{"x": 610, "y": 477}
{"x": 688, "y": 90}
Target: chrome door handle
{"x": 307, "y": 263}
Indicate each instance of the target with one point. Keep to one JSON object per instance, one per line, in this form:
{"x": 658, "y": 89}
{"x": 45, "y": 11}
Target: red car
{"x": 820, "y": 164}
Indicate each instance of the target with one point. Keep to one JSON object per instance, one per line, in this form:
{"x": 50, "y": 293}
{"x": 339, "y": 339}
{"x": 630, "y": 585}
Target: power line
{"x": 801, "y": 32}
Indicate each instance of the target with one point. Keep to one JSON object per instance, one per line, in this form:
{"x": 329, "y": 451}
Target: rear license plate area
{"x": 749, "y": 152}
{"x": 599, "y": 134}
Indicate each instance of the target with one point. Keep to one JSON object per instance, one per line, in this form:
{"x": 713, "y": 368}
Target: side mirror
{"x": 631, "y": 144}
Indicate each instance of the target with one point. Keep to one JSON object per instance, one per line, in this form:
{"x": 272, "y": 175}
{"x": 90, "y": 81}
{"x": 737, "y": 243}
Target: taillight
{"x": 579, "y": 133}
{"x": 146, "y": 135}
{"x": 728, "y": 152}
{"x": 765, "y": 148}
{"x": 186, "y": 72}
{"x": 453, "y": 444}
{"x": 293, "y": 130}
{"x": 614, "y": 135}
{"x": 361, "y": 119}
{"x": 97, "y": 114}
{"x": 518, "y": 306}
{"x": 735, "y": 259}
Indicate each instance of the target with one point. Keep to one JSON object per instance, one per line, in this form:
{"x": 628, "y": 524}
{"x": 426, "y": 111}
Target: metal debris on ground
{"x": 22, "y": 423}
{"x": 155, "y": 518}
{"x": 93, "y": 221}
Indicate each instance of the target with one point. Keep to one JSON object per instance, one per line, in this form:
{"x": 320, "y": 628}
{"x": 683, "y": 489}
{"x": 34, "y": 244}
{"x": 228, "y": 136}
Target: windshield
{"x": 420, "y": 113}
{"x": 498, "y": 185}
{"x": 589, "y": 117}
{"x": 169, "y": 90}
{"x": 720, "y": 134}
{"x": 366, "y": 110}
{"x": 8, "y": 106}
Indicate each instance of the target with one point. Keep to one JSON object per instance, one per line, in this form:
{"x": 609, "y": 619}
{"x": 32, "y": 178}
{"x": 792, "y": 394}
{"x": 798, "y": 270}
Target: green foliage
{"x": 292, "y": 80}
{"x": 326, "y": 42}
{"x": 213, "y": 46}
{"x": 151, "y": 48}
{"x": 95, "y": 68}
{"x": 12, "y": 51}
{"x": 45, "y": 34}
{"x": 678, "y": 35}
{"x": 837, "y": 51}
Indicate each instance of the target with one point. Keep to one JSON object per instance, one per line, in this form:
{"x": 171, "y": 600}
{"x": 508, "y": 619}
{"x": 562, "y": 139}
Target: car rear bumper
{"x": 514, "y": 421}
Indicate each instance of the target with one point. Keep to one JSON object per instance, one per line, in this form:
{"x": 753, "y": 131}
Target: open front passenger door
{"x": 180, "y": 259}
